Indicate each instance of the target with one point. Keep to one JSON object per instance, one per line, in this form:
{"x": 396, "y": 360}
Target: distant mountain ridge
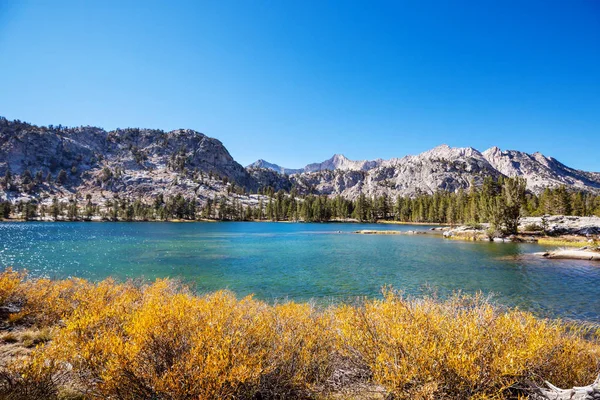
{"x": 274, "y": 167}
{"x": 337, "y": 162}
{"x": 422, "y": 172}
{"x": 145, "y": 163}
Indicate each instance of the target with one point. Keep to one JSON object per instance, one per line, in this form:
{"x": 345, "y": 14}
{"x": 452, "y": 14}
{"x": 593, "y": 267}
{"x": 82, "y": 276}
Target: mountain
{"x": 442, "y": 168}
{"x": 337, "y": 162}
{"x": 135, "y": 163}
{"x": 274, "y": 167}
{"x": 141, "y": 164}
{"x": 540, "y": 171}
{"x": 340, "y": 162}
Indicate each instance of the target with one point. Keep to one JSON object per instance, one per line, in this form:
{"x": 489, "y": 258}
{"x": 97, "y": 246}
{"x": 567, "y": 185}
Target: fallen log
{"x": 585, "y": 253}
{"x": 590, "y": 392}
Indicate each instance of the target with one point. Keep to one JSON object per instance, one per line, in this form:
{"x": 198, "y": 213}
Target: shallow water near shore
{"x": 324, "y": 262}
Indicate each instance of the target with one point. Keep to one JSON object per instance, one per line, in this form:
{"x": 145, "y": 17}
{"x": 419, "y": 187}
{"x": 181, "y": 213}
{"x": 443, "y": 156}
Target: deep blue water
{"x": 325, "y": 262}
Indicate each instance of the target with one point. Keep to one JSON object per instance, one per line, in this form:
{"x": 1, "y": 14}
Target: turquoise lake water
{"x": 325, "y": 262}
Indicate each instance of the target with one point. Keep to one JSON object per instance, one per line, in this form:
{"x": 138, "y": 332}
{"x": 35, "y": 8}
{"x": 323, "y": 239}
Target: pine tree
{"x": 513, "y": 195}
{"x": 39, "y": 177}
{"x": 72, "y": 211}
{"x": 61, "y": 178}
{"x": 7, "y": 181}
{"x": 26, "y": 177}
{"x": 55, "y": 209}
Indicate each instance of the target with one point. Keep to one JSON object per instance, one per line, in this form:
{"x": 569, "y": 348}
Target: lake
{"x": 324, "y": 262}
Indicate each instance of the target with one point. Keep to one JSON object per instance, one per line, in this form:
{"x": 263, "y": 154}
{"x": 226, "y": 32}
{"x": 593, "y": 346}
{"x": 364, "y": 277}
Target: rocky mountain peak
{"x": 339, "y": 158}
{"x": 263, "y": 164}
{"x": 493, "y": 151}
{"x": 342, "y": 163}
{"x": 449, "y": 153}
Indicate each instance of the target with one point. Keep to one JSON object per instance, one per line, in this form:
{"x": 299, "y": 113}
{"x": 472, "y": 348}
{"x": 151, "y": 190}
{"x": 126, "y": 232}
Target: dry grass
{"x": 125, "y": 341}
{"x": 570, "y": 241}
{"x": 376, "y": 232}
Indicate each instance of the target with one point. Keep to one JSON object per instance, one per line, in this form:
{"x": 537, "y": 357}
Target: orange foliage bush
{"x": 10, "y": 283}
{"x": 160, "y": 341}
{"x": 463, "y": 347}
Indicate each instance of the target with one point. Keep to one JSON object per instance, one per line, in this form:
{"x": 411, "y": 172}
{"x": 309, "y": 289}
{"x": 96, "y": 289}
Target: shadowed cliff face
{"x": 142, "y": 163}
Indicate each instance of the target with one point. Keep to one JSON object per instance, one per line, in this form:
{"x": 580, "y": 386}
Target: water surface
{"x": 326, "y": 262}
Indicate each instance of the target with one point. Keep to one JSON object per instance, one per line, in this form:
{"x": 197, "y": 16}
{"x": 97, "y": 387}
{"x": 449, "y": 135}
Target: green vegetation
{"x": 77, "y": 339}
{"x": 500, "y": 203}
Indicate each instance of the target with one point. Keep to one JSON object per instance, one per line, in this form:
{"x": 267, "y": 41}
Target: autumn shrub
{"x": 302, "y": 352}
{"x": 10, "y": 285}
{"x": 162, "y": 341}
{"x": 45, "y": 302}
{"x": 31, "y": 378}
{"x": 461, "y": 348}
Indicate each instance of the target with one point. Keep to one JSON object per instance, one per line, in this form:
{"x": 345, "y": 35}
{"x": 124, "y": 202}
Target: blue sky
{"x": 295, "y": 81}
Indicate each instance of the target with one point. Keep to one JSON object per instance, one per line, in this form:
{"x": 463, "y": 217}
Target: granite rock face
{"x": 262, "y": 164}
{"x": 441, "y": 168}
{"x": 540, "y": 171}
{"x": 135, "y": 163}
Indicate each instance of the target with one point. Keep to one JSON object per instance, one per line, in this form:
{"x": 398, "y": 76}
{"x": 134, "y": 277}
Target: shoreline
{"x": 336, "y": 221}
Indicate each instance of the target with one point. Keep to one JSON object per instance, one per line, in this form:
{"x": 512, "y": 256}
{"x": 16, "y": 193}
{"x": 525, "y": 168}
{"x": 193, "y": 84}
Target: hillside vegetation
{"x": 77, "y": 339}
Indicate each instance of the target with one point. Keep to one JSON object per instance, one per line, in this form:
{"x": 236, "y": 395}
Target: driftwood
{"x": 574, "y": 254}
{"x": 590, "y": 392}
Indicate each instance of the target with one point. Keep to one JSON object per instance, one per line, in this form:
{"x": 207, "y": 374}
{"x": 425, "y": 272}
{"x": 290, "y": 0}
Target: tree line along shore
{"x": 497, "y": 202}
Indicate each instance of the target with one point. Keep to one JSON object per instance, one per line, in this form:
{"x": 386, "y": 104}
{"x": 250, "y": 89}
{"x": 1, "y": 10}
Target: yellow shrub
{"x": 10, "y": 282}
{"x": 126, "y": 341}
{"x": 303, "y": 347}
{"x": 30, "y": 378}
{"x": 161, "y": 343}
{"x": 47, "y": 301}
{"x": 461, "y": 348}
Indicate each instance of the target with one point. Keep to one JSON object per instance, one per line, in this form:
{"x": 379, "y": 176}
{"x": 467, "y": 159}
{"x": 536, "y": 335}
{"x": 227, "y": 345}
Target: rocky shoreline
{"x": 558, "y": 230}
{"x": 582, "y": 234}
{"x": 536, "y": 227}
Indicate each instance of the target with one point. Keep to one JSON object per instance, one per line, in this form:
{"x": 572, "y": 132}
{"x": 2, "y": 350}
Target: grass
{"x": 28, "y": 337}
{"x": 161, "y": 341}
{"x": 376, "y": 232}
{"x": 469, "y": 236}
{"x": 562, "y": 241}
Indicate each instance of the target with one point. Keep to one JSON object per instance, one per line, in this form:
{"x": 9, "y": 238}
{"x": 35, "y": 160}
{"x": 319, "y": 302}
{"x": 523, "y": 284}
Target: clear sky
{"x": 295, "y": 81}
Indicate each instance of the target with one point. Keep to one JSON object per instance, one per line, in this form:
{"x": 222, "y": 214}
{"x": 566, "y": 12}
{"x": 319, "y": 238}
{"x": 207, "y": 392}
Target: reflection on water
{"x": 304, "y": 261}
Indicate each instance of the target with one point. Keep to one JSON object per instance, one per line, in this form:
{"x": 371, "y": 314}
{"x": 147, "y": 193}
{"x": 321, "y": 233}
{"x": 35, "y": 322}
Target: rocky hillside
{"x": 134, "y": 163}
{"x": 540, "y": 171}
{"x": 45, "y": 162}
{"x": 441, "y": 168}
